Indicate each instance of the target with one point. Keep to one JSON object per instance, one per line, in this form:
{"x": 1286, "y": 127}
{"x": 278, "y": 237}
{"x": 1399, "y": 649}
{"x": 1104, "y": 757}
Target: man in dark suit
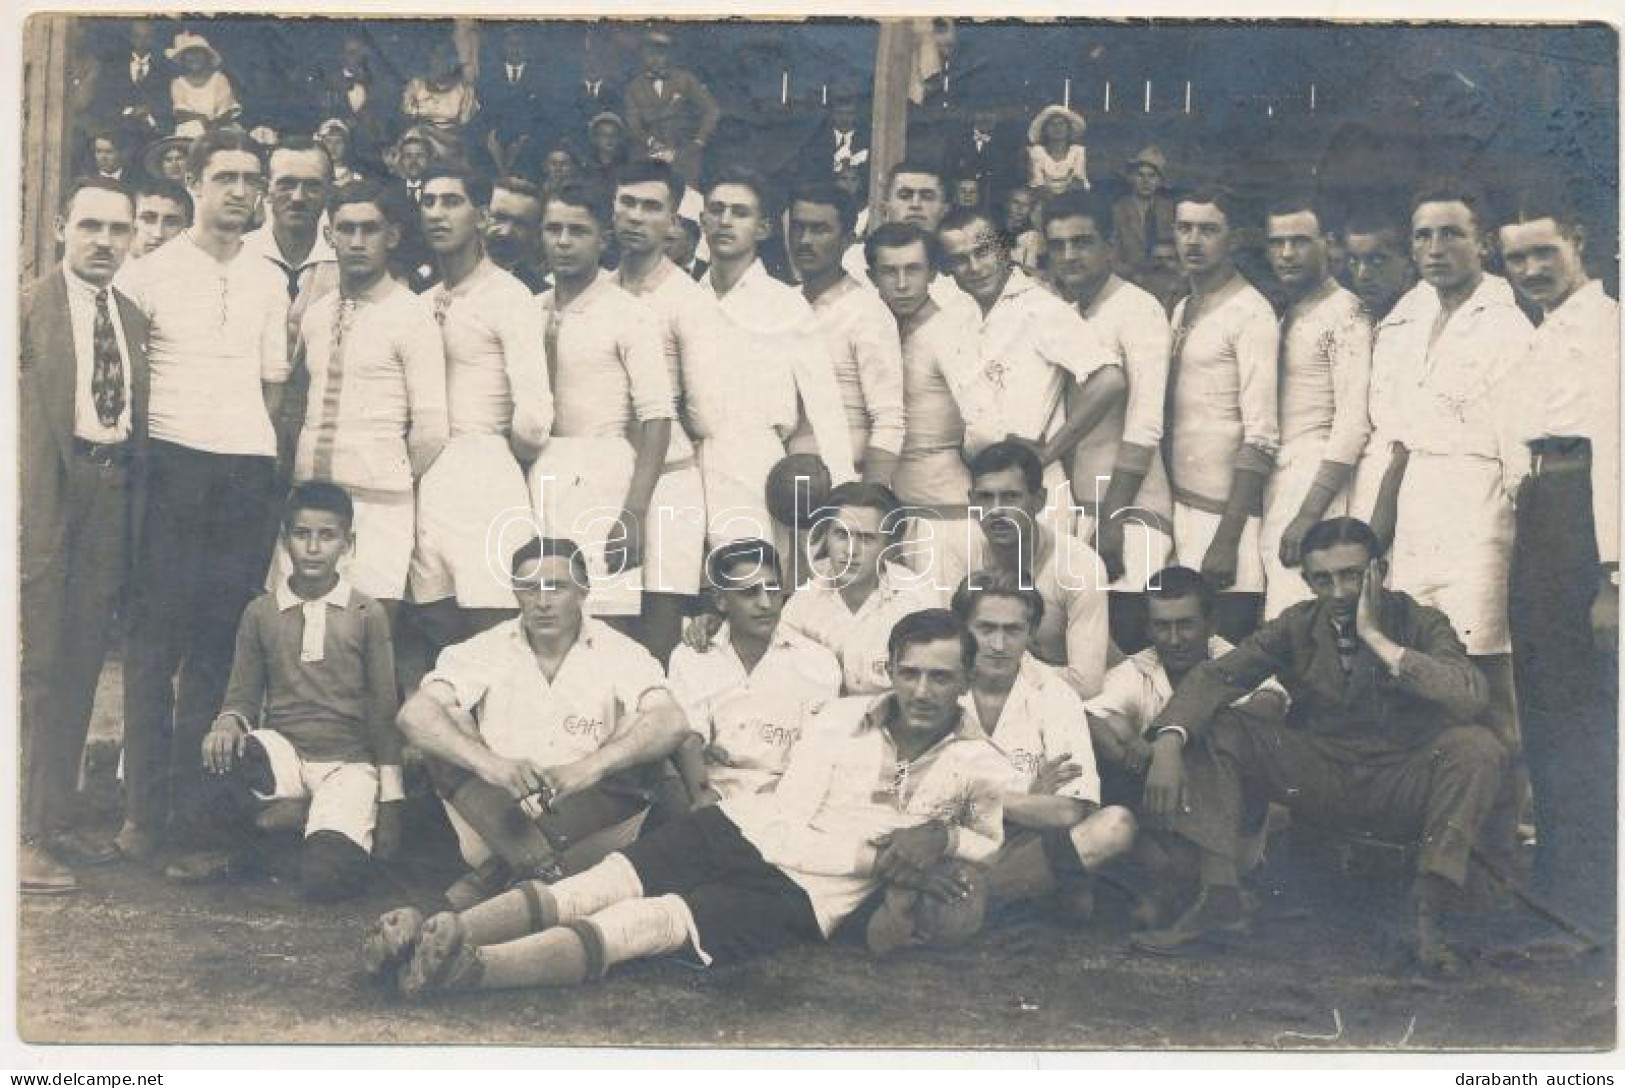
{"x": 132, "y": 90}
{"x": 512, "y": 97}
{"x": 842, "y": 144}
{"x": 83, "y": 410}
{"x": 987, "y": 152}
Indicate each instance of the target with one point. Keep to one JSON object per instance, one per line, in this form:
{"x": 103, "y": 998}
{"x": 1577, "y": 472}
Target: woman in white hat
{"x": 1056, "y": 158}
{"x": 441, "y": 101}
{"x": 201, "y": 92}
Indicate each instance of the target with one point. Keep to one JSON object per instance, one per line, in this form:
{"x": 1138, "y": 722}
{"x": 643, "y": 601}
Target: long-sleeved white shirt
{"x": 1326, "y": 373}
{"x": 865, "y": 350}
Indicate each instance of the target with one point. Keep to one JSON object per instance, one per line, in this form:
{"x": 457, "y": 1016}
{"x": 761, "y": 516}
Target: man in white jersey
{"x": 916, "y": 193}
{"x": 939, "y": 362}
{"x": 895, "y": 785}
{"x": 1223, "y": 410}
{"x": 1007, "y": 496}
{"x": 859, "y": 331}
{"x": 500, "y": 413}
{"x": 647, "y": 196}
{"x": 1057, "y": 835}
{"x": 750, "y": 694}
{"x": 612, "y": 398}
{"x": 1043, "y": 377}
{"x": 1118, "y": 463}
{"x": 218, "y": 348}
{"x": 375, "y": 417}
{"x": 553, "y": 709}
{"x": 1443, "y": 363}
{"x": 1324, "y": 377}
{"x": 772, "y": 357}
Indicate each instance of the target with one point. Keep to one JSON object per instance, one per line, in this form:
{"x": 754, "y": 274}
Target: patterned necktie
{"x": 107, "y": 373}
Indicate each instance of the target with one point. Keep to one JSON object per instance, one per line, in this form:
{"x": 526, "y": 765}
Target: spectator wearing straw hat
{"x": 334, "y": 135}
{"x": 165, "y": 157}
{"x": 1143, "y": 216}
{"x": 1056, "y": 158}
{"x": 201, "y": 92}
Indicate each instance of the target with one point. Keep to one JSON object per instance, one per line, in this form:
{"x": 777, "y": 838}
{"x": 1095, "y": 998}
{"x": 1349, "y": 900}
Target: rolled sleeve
{"x": 635, "y": 674}
{"x": 522, "y": 330}
{"x": 1257, "y": 346}
{"x": 645, "y": 361}
{"x": 1146, "y": 345}
{"x": 468, "y": 668}
{"x": 880, "y": 373}
{"x": 1351, "y": 384}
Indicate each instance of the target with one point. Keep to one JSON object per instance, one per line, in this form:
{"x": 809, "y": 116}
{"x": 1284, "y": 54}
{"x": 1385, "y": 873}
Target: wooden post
{"x": 47, "y": 130}
{"x": 894, "y": 62}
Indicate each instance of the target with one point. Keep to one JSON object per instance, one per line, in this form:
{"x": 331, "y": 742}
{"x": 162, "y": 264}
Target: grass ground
{"x": 134, "y": 959}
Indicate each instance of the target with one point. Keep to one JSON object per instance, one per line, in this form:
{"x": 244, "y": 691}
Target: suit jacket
{"x": 820, "y": 149}
{"x": 115, "y": 91}
{"x": 999, "y": 164}
{"x": 683, "y": 111}
{"x": 1365, "y": 715}
{"x": 512, "y": 110}
{"x": 48, "y": 370}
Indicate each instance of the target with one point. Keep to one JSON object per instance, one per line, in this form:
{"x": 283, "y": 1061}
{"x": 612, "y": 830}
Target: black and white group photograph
{"x": 909, "y": 531}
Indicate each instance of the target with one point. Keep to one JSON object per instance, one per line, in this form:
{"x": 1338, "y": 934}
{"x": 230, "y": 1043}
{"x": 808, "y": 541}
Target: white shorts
{"x": 1193, "y": 533}
{"x": 473, "y": 513}
{"x": 1145, "y": 551}
{"x": 582, "y": 854}
{"x": 577, "y": 487}
{"x": 382, "y": 558}
{"x": 343, "y": 796}
{"x": 674, "y": 539}
{"x": 1288, "y": 485}
{"x": 1453, "y": 546}
{"x": 734, "y": 466}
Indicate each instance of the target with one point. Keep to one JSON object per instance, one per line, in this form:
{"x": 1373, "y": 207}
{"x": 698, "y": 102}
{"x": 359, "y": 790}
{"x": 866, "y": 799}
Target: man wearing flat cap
{"x": 670, "y": 115}
{"x": 1144, "y": 215}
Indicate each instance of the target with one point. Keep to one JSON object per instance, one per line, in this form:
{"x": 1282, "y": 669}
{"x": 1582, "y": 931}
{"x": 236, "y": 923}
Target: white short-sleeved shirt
{"x": 521, "y": 715}
{"x": 1137, "y": 688}
{"x": 1028, "y": 346}
{"x": 1075, "y": 634}
{"x": 608, "y": 366}
{"x": 818, "y": 612}
{"x": 1043, "y": 719}
{"x": 218, "y": 330}
{"x": 754, "y": 717}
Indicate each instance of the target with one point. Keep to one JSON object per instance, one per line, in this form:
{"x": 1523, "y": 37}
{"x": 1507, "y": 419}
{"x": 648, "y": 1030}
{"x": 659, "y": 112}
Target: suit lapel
{"x": 135, "y": 342}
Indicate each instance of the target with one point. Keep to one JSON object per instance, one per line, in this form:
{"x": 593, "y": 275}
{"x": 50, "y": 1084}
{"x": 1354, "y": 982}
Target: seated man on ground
{"x": 1057, "y": 833}
{"x": 1385, "y": 736}
{"x": 309, "y": 715}
{"x": 1180, "y": 624}
{"x": 749, "y": 696}
{"x": 884, "y": 792}
{"x": 554, "y": 709}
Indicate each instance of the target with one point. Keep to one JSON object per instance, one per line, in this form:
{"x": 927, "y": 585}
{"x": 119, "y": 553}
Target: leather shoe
{"x": 41, "y": 874}
{"x": 78, "y": 847}
{"x": 136, "y": 843}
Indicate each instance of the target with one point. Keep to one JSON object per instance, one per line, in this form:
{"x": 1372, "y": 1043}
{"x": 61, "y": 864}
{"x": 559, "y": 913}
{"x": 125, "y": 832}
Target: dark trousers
{"x": 202, "y": 557}
{"x": 72, "y": 574}
{"x": 1447, "y": 795}
{"x": 1566, "y": 687}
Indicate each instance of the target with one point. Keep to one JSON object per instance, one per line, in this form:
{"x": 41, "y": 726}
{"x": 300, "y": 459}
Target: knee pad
{"x": 330, "y": 867}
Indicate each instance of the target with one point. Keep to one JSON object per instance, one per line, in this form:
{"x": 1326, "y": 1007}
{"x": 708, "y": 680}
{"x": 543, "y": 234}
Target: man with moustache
{"x": 1564, "y": 591}
{"x": 1118, "y": 479}
{"x": 1442, "y": 366}
{"x": 292, "y": 238}
{"x": 647, "y": 196}
{"x": 1325, "y": 372}
{"x": 1223, "y": 426}
{"x": 82, "y": 370}
{"x": 513, "y": 231}
{"x": 859, "y": 331}
{"x": 218, "y": 348}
